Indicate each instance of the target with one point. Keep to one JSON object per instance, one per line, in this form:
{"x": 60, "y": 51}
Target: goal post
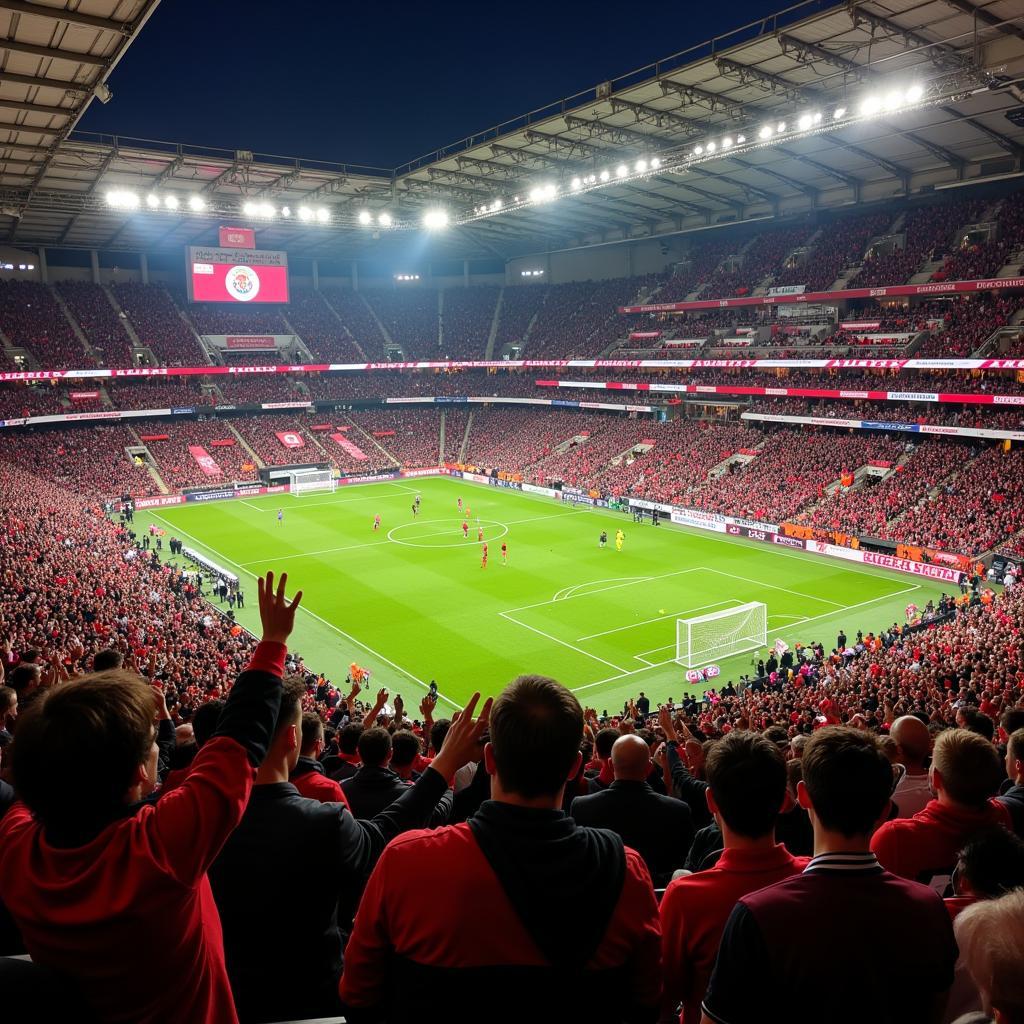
{"x": 312, "y": 481}
{"x": 706, "y": 638}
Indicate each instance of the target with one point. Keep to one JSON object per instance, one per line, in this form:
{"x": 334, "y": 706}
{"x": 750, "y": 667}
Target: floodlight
{"x": 323, "y": 215}
{"x": 605, "y": 175}
{"x": 621, "y": 171}
{"x": 435, "y": 219}
{"x": 249, "y": 209}
{"x": 727, "y": 142}
{"x": 805, "y": 122}
{"x": 817, "y": 117}
{"x": 740, "y": 139}
{"x": 838, "y": 113}
{"x": 915, "y": 94}
{"x": 765, "y": 132}
{"x": 364, "y": 216}
{"x": 286, "y": 211}
{"x": 641, "y": 166}
{"x": 497, "y": 204}
{"x": 698, "y": 150}
{"x": 306, "y": 214}
{"x": 171, "y": 202}
{"x": 780, "y": 127}
{"x": 196, "y": 204}
{"x": 385, "y": 220}
{"x": 152, "y": 201}
{"x": 123, "y": 199}
{"x": 711, "y": 147}
{"x": 576, "y": 184}
{"x": 893, "y": 100}
{"x": 870, "y": 106}
{"x": 655, "y": 163}
{"x": 30, "y": 266}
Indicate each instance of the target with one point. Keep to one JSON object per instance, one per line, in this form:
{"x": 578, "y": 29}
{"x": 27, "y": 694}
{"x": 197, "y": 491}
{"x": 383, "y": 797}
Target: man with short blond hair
{"x": 965, "y": 777}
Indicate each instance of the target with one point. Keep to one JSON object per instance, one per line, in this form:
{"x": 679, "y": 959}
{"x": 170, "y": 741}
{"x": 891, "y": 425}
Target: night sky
{"x": 378, "y": 84}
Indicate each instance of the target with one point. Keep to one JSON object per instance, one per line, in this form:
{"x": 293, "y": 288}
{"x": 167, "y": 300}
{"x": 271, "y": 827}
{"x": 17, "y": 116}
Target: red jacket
{"x": 694, "y": 910}
{"x": 129, "y": 915}
{"x": 314, "y": 785}
{"x": 924, "y": 847}
{"x": 479, "y": 931}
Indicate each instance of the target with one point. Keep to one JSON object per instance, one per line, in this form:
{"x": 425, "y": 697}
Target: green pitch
{"x": 412, "y": 602}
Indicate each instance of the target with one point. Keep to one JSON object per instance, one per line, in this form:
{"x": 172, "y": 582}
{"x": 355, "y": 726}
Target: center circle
{"x": 439, "y": 533}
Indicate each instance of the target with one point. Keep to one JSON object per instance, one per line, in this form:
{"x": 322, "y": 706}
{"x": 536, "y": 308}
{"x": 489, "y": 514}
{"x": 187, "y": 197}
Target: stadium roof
{"x": 966, "y": 56}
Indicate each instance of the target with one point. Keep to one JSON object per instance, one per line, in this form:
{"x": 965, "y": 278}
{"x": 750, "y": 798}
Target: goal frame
{"x": 297, "y": 478}
{"x": 749, "y": 633}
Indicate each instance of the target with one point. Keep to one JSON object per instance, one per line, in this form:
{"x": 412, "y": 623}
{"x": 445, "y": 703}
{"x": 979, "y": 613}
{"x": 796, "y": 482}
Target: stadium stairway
{"x": 122, "y": 316}
{"x": 370, "y": 439}
{"x": 380, "y": 325}
{"x": 465, "y": 439}
{"x": 246, "y": 447}
{"x": 444, "y": 417}
{"x": 79, "y": 333}
{"x": 331, "y": 311}
{"x": 492, "y": 336}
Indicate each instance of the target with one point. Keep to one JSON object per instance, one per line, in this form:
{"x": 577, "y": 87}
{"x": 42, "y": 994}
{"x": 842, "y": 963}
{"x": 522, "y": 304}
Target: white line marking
{"x": 566, "y": 592}
{"x": 322, "y": 551}
{"x": 631, "y": 581}
{"x": 313, "y": 614}
{"x": 657, "y": 618}
{"x": 564, "y": 643}
{"x": 771, "y": 586}
{"x": 242, "y": 501}
{"x": 771, "y": 632}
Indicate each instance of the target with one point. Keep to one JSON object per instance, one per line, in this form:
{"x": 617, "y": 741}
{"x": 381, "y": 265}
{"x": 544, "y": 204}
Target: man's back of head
{"x": 348, "y": 738}
{"x": 107, "y": 659}
{"x": 847, "y": 779}
{"x": 631, "y": 759}
{"x": 536, "y": 727}
{"x": 204, "y": 721}
{"x": 312, "y": 734}
{"x": 604, "y": 741}
{"x": 913, "y": 740}
{"x": 405, "y": 748}
{"x": 375, "y": 747}
{"x": 747, "y": 777}
{"x": 107, "y": 720}
{"x": 966, "y": 769}
{"x": 990, "y": 864}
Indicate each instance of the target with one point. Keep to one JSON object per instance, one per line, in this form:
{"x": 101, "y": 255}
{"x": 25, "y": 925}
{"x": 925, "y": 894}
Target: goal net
{"x": 312, "y": 481}
{"x": 707, "y": 638}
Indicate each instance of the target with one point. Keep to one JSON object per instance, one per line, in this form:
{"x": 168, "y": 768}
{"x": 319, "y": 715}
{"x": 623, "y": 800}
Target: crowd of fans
{"x": 31, "y": 318}
{"x": 357, "y": 318}
{"x": 158, "y": 323}
{"x": 319, "y": 327}
{"x": 411, "y": 318}
{"x": 466, "y": 320}
{"x": 177, "y": 465}
{"x": 759, "y": 259}
{"x": 412, "y": 436}
{"x": 98, "y": 319}
{"x": 520, "y": 307}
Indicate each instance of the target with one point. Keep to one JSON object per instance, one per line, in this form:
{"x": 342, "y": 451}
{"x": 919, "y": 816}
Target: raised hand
{"x": 464, "y": 741}
{"x": 665, "y": 721}
{"x": 382, "y": 697}
{"x": 427, "y": 706}
{"x": 399, "y": 707}
{"x": 276, "y": 614}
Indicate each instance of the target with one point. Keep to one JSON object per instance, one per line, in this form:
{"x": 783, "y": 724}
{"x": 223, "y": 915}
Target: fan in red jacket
{"x": 965, "y": 775}
{"x": 308, "y": 775}
{"x": 112, "y": 892}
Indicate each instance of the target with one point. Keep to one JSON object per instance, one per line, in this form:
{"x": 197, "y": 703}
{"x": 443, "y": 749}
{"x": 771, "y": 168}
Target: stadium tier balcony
{"x": 263, "y": 387}
{"x": 580, "y": 319}
{"x": 466, "y": 320}
{"x": 99, "y": 321}
{"x": 176, "y": 464}
{"x": 320, "y": 329}
{"x": 158, "y": 324}
{"x": 410, "y": 316}
{"x": 975, "y": 511}
{"x": 967, "y": 323}
{"x": 89, "y": 462}
{"x": 31, "y": 319}
{"x": 260, "y": 432}
{"x": 513, "y": 439}
{"x": 520, "y": 305}
{"x": 790, "y": 472}
{"x": 156, "y": 393}
{"x": 929, "y": 235}
{"x": 17, "y": 400}
{"x": 357, "y": 318}
{"x": 867, "y": 509}
{"x": 761, "y": 258}
{"x": 841, "y": 243}
{"x": 411, "y": 436}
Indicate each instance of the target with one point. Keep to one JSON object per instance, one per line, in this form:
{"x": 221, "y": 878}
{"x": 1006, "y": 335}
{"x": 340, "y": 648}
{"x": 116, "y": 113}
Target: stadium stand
{"x": 91, "y": 307}
{"x": 357, "y": 318}
{"x": 320, "y": 329}
{"x": 411, "y": 318}
{"x": 158, "y": 324}
{"x": 31, "y": 318}
{"x": 466, "y": 320}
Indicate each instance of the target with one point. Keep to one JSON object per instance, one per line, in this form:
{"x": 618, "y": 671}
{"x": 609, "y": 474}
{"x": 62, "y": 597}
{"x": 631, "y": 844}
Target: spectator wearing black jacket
{"x": 659, "y": 828}
{"x": 257, "y": 879}
{"x": 1013, "y": 798}
{"x": 376, "y": 786}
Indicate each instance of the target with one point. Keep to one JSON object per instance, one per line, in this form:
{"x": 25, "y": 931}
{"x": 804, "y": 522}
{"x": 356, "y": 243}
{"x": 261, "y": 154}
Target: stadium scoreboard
{"x": 236, "y": 275}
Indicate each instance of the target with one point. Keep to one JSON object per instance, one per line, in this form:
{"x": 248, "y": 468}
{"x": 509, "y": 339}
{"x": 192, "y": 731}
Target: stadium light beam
{"x": 196, "y": 204}
{"x": 435, "y": 219}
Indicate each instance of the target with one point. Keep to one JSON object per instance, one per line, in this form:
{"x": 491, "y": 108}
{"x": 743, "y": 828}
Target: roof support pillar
{"x": 94, "y": 263}
{"x": 44, "y": 275}
{"x": 144, "y": 267}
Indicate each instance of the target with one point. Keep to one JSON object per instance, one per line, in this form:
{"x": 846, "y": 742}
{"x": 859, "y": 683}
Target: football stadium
{"x": 506, "y": 581}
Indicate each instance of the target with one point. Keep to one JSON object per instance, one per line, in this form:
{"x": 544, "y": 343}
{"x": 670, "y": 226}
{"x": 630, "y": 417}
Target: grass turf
{"x": 412, "y": 603}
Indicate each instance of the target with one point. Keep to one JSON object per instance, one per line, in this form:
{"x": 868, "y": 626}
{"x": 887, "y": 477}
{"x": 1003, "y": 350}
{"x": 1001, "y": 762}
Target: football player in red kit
{"x": 483, "y": 561}
{"x": 504, "y": 554}
{"x": 376, "y": 522}
{"x": 465, "y": 530}
{"x": 480, "y": 533}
